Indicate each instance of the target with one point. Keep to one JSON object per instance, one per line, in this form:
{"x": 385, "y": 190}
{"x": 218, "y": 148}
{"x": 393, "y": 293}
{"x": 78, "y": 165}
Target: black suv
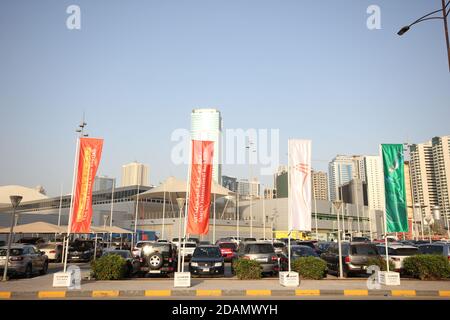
{"x": 158, "y": 258}
{"x": 81, "y": 251}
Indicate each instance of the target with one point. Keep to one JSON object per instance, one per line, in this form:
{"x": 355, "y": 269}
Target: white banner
{"x": 299, "y": 185}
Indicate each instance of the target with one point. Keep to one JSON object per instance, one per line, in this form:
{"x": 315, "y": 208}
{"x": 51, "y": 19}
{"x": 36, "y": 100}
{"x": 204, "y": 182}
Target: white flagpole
{"x": 289, "y": 208}
{"x": 315, "y": 213}
{"x": 264, "y": 213}
{"x": 112, "y": 211}
{"x": 385, "y": 218}
{"x": 214, "y": 220}
{"x": 75, "y": 172}
{"x": 137, "y": 209}
{"x": 164, "y": 217}
{"x": 186, "y": 209}
{"x": 60, "y": 207}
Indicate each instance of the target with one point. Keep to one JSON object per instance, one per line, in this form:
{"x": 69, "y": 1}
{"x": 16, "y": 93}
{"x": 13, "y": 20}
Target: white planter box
{"x": 182, "y": 280}
{"x": 289, "y": 279}
{"x": 389, "y": 278}
{"x": 62, "y": 279}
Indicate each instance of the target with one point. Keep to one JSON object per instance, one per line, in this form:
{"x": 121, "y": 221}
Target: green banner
{"x": 394, "y": 184}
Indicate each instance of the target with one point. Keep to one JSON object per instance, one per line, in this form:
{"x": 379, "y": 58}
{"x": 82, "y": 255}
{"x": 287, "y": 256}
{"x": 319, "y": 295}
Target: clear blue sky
{"x": 137, "y": 68}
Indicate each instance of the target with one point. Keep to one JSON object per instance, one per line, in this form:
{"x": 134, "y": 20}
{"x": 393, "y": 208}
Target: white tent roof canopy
{"x": 174, "y": 188}
{"x": 48, "y": 228}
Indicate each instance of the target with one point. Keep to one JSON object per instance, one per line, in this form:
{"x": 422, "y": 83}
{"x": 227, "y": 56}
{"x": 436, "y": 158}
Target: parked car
{"x": 279, "y": 246}
{"x": 261, "y": 252}
{"x": 398, "y": 253}
{"x": 355, "y": 256}
{"x": 2, "y": 243}
{"x": 207, "y": 260}
{"x": 437, "y": 248}
{"x": 81, "y": 251}
{"x": 52, "y": 250}
{"x": 133, "y": 263}
{"x": 31, "y": 240}
{"x": 228, "y": 250}
{"x": 24, "y": 259}
{"x": 322, "y": 247}
{"x": 138, "y": 247}
{"x": 302, "y": 251}
{"x": 158, "y": 258}
{"x": 187, "y": 249}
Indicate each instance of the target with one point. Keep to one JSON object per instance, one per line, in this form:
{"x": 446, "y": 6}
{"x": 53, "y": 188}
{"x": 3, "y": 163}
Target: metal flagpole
{"x": 137, "y": 210}
{"x": 186, "y": 208}
{"x": 164, "y": 217}
{"x": 214, "y": 220}
{"x": 315, "y": 214}
{"x": 264, "y": 214}
{"x": 75, "y": 171}
{"x": 289, "y": 210}
{"x": 112, "y": 211}
{"x": 385, "y": 216}
{"x": 237, "y": 216}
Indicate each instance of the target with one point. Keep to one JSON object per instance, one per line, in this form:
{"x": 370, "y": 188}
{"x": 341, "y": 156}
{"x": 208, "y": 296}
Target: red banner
{"x": 90, "y": 153}
{"x": 200, "y": 187}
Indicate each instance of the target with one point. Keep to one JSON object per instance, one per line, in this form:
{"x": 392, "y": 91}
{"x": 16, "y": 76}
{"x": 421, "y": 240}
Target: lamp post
{"x": 181, "y": 202}
{"x": 430, "y": 16}
{"x": 15, "y": 201}
{"x": 337, "y": 206}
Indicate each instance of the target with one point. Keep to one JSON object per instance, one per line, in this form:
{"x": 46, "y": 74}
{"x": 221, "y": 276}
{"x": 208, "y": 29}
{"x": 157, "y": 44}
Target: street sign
{"x": 62, "y": 279}
{"x": 289, "y": 279}
{"x": 389, "y": 278}
{"x": 182, "y": 280}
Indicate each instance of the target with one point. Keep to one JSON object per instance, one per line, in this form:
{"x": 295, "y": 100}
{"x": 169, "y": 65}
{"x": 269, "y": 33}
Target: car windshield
{"x": 12, "y": 252}
{"x": 123, "y": 254}
{"x": 259, "y": 248}
{"x": 299, "y": 251}
{"x": 82, "y": 245}
{"x": 364, "y": 250}
{"x": 228, "y": 246}
{"x": 207, "y": 252}
{"x": 279, "y": 245}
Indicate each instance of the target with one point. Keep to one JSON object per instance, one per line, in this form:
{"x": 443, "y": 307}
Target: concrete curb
{"x": 115, "y": 294}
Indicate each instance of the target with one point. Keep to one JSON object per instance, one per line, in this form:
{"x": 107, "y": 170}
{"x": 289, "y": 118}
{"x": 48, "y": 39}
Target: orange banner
{"x": 200, "y": 187}
{"x": 90, "y": 152}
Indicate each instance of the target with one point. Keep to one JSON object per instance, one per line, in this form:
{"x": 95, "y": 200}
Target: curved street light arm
{"x": 425, "y": 17}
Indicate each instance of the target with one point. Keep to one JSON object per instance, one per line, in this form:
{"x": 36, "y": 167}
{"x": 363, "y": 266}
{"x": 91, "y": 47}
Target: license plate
{"x": 155, "y": 271}
{"x": 261, "y": 260}
{"x": 206, "y": 270}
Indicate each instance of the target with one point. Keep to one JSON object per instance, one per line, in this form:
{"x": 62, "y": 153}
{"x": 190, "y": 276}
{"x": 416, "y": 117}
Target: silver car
{"x": 261, "y": 252}
{"x": 24, "y": 259}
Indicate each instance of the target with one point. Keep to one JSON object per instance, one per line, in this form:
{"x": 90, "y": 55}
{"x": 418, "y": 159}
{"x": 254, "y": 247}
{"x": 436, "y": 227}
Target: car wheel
{"x": 155, "y": 261}
{"x": 28, "y": 271}
{"x": 44, "y": 268}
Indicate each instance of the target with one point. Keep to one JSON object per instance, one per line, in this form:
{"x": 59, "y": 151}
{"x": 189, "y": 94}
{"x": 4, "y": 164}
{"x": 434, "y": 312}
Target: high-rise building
{"x": 341, "y": 170}
{"x": 320, "y": 185}
{"x": 430, "y": 174}
{"x": 250, "y": 188}
{"x": 206, "y": 124}
{"x": 423, "y": 176}
{"x": 230, "y": 183}
{"x": 102, "y": 183}
{"x": 441, "y": 159}
{"x": 373, "y": 176}
{"x": 135, "y": 174}
{"x": 281, "y": 182}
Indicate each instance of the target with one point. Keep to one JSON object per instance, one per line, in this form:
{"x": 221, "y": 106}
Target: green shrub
{"x": 109, "y": 267}
{"x": 311, "y": 268}
{"x": 247, "y": 269}
{"x": 427, "y": 267}
{"x": 381, "y": 263}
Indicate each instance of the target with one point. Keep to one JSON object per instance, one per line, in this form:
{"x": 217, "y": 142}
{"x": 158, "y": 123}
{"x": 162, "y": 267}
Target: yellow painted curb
{"x": 444, "y": 294}
{"x": 305, "y": 293}
{"x": 403, "y": 293}
{"x": 105, "y": 294}
{"x": 356, "y": 293}
{"x": 209, "y": 293}
{"x": 51, "y": 294}
{"x": 266, "y": 293}
{"x": 158, "y": 293}
{"x": 5, "y": 295}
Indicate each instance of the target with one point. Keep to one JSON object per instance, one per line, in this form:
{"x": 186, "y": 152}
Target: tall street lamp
{"x": 431, "y": 16}
{"x": 337, "y": 207}
{"x": 15, "y": 201}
